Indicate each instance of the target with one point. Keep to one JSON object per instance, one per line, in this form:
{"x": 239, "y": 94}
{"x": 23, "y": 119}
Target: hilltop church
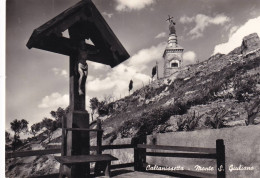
{"x": 173, "y": 52}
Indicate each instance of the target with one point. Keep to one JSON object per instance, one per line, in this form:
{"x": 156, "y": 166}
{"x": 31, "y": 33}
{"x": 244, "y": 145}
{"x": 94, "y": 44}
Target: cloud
{"x": 97, "y": 66}
{"x": 117, "y": 80}
{"x": 90, "y": 77}
{"x": 60, "y": 72}
{"x": 87, "y": 103}
{"x": 54, "y": 100}
{"x": 128, "y": 5}
{"x": 147, "y": 55}
{"x": 161, "y": 35}
{"x": 185, "y": 19}
{"x": 109, "y": 15}
{"x": 189, "y": 57}
{"x": 232, "y": 30}
{"x": 202, "y": 21}
{"x": 235, "y": 39}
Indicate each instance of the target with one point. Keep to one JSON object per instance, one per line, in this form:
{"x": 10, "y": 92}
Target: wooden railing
{"x": 140, "y": 153}
{"x": 58, "y": 151}
{"x": 217, "y": 153}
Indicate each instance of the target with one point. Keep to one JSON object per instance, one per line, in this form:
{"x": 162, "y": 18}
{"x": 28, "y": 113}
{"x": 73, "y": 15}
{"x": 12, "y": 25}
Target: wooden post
{"x": 139, "y": 153}
{"x": 77, "y": 142}
{"x": 64, "y": 137}
{"x": 99, "y": 137}
{"x": 63, "y": 146}
{"x": 107, "y": 169}
{"x": 220, "y": 149}
{"x": 99, "y": 166}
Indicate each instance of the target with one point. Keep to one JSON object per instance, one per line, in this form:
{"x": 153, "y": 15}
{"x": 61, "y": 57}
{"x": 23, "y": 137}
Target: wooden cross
{"x": 169, "y": 18}
{"x": 83, "y": 21}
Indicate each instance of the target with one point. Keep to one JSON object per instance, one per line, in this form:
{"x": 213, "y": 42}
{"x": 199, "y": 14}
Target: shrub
{"x": 218, "y": 120}
{"x": 189, "y": 123}
{"x": 244, "y": 87}
{"x": 252, "y": 111}
{"x": 149, "y": 121}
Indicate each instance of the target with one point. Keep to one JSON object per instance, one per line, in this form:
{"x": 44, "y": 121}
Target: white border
{"x": 2, "y": 84}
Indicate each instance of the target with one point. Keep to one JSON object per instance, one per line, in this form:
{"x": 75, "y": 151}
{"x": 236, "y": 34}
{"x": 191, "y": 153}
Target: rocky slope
{"x": 222, "y": 91}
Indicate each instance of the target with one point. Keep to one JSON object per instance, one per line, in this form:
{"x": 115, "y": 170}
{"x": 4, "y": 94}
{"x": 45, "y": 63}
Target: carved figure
{"x": 83, "y": 53}
{"x": 172, "y": 27}
{"x": 82, "y": 67}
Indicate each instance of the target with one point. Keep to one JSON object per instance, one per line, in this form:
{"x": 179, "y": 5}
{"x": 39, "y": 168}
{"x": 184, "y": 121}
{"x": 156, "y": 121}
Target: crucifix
{"x": 169, "y": 18}
{"x": 83, "y": 22}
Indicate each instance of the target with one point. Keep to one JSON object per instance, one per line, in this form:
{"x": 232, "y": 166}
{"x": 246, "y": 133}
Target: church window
{"x": 174, "y": 64}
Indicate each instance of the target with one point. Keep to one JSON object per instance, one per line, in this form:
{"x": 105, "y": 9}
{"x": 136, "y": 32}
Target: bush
{"x": 218, "y": 120}
{"x": 149, "y": 121}
{"x": 252, "y": 111}
{"x": 243, "y": 88}
{"x": 189, "y": 123}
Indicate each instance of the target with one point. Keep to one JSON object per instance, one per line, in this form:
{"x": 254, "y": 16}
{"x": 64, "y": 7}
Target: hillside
{"x": 223, "y": 91}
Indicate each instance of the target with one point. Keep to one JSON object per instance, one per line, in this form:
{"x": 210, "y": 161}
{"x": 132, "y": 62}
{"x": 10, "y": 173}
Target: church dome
{"x": 173, "y": 43}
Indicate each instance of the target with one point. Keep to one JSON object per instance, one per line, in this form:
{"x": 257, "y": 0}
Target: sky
{"x": 37, "y": 81}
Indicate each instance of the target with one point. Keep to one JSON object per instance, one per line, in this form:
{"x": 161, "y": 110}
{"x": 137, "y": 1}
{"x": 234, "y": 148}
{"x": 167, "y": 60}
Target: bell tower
{"x": 173, "y": 52}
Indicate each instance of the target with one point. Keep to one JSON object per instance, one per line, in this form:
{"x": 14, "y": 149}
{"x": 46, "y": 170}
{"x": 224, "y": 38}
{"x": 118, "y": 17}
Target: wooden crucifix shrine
{"x": 83, "y": 21}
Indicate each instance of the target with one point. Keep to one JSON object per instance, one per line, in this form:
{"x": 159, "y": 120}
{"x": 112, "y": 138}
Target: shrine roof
{"x": 83, "y": 21}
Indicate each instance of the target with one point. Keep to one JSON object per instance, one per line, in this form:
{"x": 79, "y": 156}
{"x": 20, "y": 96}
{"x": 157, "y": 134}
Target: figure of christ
{"x": 83, "y": 66}
{"x": 172, "y": 27}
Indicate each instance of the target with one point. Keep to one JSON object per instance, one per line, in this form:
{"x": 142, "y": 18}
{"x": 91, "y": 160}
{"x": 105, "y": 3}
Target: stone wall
{"x": 242, "y": 148}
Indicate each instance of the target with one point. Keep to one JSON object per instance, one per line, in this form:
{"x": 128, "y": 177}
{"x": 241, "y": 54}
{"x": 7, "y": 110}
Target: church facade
{"x": 173, "y": 53}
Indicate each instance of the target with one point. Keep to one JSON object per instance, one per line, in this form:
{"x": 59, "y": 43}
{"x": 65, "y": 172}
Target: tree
{"x": 7, "y": 137}
{"x": 108, "y": 98}
{"x": 130, "y": 86}
{"x": 102, "y": 108}
{"x": 18, "y": 126}
{"x": 58, "y": 114}
{"x": 153, "y": 71}
{"x": 50, "y": 125}
{"x": 94, "y": 103}
{"x": 35, "y": 128}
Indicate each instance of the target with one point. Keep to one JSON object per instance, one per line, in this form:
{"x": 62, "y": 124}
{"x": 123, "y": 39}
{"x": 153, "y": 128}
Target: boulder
{"x": 250, "y": 43}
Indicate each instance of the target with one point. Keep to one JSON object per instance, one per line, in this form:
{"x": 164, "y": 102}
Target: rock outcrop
{"x": 250, "y": 43}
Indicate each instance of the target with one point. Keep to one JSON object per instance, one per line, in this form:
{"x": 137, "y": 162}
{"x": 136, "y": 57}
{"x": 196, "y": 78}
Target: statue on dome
{"x": 172, "y": 25}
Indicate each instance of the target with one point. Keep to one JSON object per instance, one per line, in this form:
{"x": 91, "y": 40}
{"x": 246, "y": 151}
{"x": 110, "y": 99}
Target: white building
{"x": 172, "y": 53}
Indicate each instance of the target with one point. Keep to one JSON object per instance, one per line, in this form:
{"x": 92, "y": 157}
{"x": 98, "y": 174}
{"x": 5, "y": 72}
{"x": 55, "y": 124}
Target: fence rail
{"x": 58, "y": 150}
{"x": 183, "y": 155}
{"x": 178, "y": 148}
{"x": 32, "y": 153}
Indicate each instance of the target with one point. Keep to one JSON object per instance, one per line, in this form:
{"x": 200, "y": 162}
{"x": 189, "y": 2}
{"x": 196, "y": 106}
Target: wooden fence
{"x": 140, "y": 153}
{"x": 217, "y": 153}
